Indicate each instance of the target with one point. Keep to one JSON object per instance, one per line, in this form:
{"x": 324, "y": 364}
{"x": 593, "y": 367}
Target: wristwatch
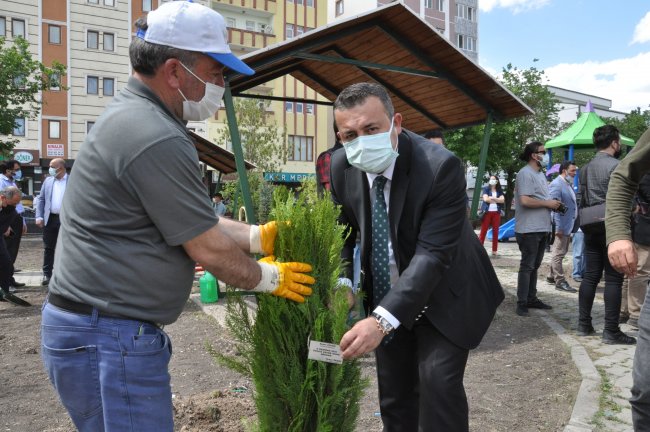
{"x": 382, "y": 324}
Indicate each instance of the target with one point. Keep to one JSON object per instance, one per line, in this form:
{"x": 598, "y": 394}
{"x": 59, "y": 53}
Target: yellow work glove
{"x": 262, "y": 238}
{"x": 285, "y": 279}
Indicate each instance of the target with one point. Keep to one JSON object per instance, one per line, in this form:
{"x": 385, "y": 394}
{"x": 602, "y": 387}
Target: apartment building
{"x": 457, "y": 20}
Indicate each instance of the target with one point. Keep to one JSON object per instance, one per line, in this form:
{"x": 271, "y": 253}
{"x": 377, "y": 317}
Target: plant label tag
{"x": 326, "y": 352}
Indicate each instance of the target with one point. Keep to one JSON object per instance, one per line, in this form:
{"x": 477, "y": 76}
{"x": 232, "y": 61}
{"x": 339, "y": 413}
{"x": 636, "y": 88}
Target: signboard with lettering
{"x": 27, "y": 157}
{"x": 55, "y": 150}
{"x": 282, "y": 177}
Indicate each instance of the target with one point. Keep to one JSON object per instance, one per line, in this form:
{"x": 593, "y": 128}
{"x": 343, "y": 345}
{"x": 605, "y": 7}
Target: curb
{"x": 587, "y": 401}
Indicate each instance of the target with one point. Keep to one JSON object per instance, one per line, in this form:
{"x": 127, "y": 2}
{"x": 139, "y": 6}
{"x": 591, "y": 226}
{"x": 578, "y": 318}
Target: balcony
{"x": 247, "y": 40}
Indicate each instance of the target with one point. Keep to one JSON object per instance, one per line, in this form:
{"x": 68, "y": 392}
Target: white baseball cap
{"x": 192, "y": 27}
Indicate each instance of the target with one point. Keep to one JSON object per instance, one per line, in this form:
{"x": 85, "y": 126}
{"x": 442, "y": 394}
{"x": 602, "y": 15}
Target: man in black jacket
{"x": 428, "y": 281}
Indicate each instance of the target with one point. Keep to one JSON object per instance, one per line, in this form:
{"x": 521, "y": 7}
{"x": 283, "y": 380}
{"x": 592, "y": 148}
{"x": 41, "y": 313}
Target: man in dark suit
{"x": 429, "y": 284}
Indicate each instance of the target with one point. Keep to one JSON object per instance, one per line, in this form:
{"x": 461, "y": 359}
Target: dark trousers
{"x": 13, "y": 242}
{"x": 6, "y": 266}
{"x": 50, "y": 235}
{"x": 420, "y": 374}
{"x": 596, "y": 257}
{"x": 531, "y": 246}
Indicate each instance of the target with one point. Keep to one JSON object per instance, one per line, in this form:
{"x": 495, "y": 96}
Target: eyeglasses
{"x": 543, "y": 152}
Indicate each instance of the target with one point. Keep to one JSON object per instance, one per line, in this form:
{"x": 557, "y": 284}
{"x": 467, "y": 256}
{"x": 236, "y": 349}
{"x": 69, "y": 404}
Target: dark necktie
{"x": 380, "y": 233}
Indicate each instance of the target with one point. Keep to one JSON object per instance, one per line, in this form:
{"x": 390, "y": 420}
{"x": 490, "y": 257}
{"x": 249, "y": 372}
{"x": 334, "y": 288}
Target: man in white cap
{"x": 135, "y": 219}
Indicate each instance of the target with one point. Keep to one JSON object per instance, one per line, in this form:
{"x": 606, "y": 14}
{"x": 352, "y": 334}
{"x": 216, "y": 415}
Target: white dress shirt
{"x": 58, "y": 189}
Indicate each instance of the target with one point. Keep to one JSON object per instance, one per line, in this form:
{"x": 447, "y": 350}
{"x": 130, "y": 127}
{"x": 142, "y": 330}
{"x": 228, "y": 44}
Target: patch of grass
{"x": 607, "y": 407}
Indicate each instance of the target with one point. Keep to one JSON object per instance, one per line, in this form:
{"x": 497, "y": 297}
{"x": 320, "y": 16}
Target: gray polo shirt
{"x": 134, "y": 196}
{"x": 532, "y": 183}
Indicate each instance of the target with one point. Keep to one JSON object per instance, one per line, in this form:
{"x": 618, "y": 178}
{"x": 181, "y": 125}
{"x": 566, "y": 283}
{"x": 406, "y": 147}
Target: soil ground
{"x": 521, "y": 378}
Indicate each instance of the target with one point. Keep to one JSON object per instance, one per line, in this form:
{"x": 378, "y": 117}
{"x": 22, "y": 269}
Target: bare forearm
{"x": 527, "y": 201}
{"x": 239, "y": 232}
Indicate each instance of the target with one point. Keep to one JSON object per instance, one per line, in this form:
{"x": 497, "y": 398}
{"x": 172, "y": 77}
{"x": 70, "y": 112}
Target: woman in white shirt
{"x": 492, "y": 210}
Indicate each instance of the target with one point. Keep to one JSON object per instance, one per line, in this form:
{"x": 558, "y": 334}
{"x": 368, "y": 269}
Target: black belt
{"x": 86, "y": 309}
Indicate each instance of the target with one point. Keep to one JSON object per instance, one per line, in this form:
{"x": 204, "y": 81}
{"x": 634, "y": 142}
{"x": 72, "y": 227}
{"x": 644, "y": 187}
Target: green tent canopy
{"x": 580, "y": 133}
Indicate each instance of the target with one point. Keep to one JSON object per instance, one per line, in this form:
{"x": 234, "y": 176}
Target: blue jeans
{"x": 531, "y": 246}
{"x": 640, "y": 399}
{"x": 110, "y": 373}
{"x": 578, "y": 255}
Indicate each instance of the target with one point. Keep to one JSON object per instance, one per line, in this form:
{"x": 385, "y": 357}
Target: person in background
{"x": 578, "y": 252}
{"x": 561, "y": 189}
{"x": 436, "y": 136}
{"x": 492, "y": 208}
{"x": 323, "y": 166}
{"x": 9, "y": 197}
{"x": 48, "y": 208}
{"x": 594, "y": 181}
{"x": 218, "y": 205}
{"x": 11, "y": 173}
{"x": 623, "y": 257}
{"x": 532, "y": 224}
{"x": 432, "y": 291}
{"x": 134, "y": 225}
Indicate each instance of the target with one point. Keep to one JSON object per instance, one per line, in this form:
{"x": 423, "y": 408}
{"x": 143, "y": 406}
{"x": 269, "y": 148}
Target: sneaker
{"x": 585, "y": 330}
{"x": 538, "y": 304}
{"x": 622, "y": 319}
{"x": 550, "y": 280}
{"x": 577, "y": 279}
{"x": 633, "y": 322}
{"x": 618, "y": 338}
{"x": 564, "y": 286}
{"x": 522, "y": 311}
{"x": 45, "y": 281}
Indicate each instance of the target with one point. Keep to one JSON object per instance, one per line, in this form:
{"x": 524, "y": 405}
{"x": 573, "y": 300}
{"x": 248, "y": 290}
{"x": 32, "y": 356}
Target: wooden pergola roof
{"x": 432, "y": 83}
{"x": 215, "y": 156}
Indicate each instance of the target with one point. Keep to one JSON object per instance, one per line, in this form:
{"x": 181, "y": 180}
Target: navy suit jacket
{"x": 445, "y": 273}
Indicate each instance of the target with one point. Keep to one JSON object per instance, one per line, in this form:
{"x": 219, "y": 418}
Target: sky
{"x": 598, "y": 47}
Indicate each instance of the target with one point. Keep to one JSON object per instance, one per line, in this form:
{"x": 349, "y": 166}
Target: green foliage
{"x": 262, "y": 141}
{"x": 21, "y": 80}
{"x": 633, "y": 124}
{"x": 261, "y": 195}
{"x": 509, "y": 138}
{"x": 294, "y": 394}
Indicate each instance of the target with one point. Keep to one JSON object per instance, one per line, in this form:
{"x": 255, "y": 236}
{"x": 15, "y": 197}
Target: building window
{"x": 428, "y": 4}
{"x": 298, "y": 107}
{"x": 89, "y": 126}
{"x": 250, "y": 25}
{"x": 92, "y": 39}
{"x": 55, "y": 82}
{"x": 109, "y": 86}
{"x": 466, "y": 42}
{"x": 309, "y": 108}
{"x": 3, "y": 26}
{"x": 54, "y": 127}
{"x": 109, "y": 42}
{"x": 309, "y": 3}
{"x": 18, "y": 28}
{"x": 288, "y": 34}
{"x": 471, "y": 14}
{"x": 54, "y": 34}
{"x": 109, "y": 3}
{"x": 298, "y": 2}
{"x": 92, "y": 85}
{"x": 288, "y": 107}
{"x": 339, "y": 7}
{"x": 93, "y": 1}
{"x": 146, "y": 6}
{"x": 230, "y": 22}
{"x": 299, "y": 30}
{"x": 19, "y": 127}
{"x": 301, "y": 148}
{"x": 19, "y": 81}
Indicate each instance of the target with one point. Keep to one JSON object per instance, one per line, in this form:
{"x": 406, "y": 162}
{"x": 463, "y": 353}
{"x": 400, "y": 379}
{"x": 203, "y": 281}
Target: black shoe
{"x": 538, "y": 304}
{"x": 45, "y": 281}
{"x": 564, "y": 286}
{"x": 17, "y": 270}
{"x": 17, "y": 284}
{"x": 633, "y": 322}
{"x": 618, "y": 338}
{"x": 585, "y": 330}
{"x": 550, "y": 280}
{"x": 522, "y": 311}
{"x": 622, "y": 319}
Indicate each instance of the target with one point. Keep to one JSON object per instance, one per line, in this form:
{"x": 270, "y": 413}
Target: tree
{"x": 508, "y": 138}
{"x": 633, "y": 124}
{"x": 21, "y": 80}
{"x": 262, "y": 141}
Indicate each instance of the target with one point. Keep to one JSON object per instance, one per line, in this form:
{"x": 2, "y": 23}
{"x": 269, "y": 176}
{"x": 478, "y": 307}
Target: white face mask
{"x": 493, "y": 182}
{"x": 371, "y": 153}
{"x": 52, "y": 172}
{"x": 207, "y": 106}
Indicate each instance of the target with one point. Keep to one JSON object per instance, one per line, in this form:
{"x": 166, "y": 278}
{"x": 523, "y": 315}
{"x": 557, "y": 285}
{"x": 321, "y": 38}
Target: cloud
{"x": 642, "y": 30}
{"x": 517, "y": 6}
{"x": 624, "y": 81}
